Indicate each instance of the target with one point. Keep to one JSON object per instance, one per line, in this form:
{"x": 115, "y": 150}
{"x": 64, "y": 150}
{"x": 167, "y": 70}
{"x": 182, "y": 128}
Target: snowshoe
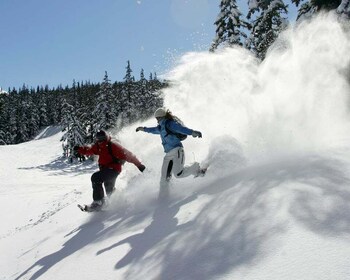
{"x": 93, "y": 207}
{"x": 202, "y": 172}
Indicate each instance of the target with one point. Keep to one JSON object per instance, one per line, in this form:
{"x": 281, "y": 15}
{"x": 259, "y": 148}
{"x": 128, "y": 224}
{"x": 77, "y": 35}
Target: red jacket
{"x": 105, "y": 159}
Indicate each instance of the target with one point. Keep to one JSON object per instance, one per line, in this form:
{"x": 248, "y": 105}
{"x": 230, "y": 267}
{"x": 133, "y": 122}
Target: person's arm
{"x": 178, "y": 128}
{"x": 153, "y": 130}
{"x": 87, "y": 150}
{"x": 122, "y": 153}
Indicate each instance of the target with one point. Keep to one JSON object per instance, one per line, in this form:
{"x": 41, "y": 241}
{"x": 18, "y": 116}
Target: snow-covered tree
{"x": 266, "y": 25}
{"x": 142, "y": 94}
{"x": 97, "y": 106}
{"x": 42, "y": 97}
{"x": 344, "y": 9}
{"x": 104, "y": 112}
{"x": 10, "y": 126}
{"x": 310, "y": 7}
{"x": 32, "y": 116}
{"x": 230, "y": 27}
{"x": 75, "y": 134}
{"x": 3, "y": 101}
{"x": 126, "y": 96}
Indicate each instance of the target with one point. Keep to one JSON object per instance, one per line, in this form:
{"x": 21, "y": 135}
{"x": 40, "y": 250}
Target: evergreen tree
{"x": 310, "y": 7}
{"x": 74, "y": 134}
{"x": 10, "y": 118}
{"x": 56, "y": 103}
{"x": 267, "y": 25}
{"x": 3, "y": 101}
{"x": 104, "y": 111}
{"x": 42, "y": 97}
{"x": 344, "y": 9}
{"x": 230, "y": 27}
{"x": 142, "y": 103}
{"x": 24, "y": 112}
{"x": 127, "y": 93}
{"x": 32, "y": 115}
{"x": 86, "y": 113}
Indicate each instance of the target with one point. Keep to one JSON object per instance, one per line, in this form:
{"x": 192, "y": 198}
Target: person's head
{"x": 101, "y": 136}
{"x": 160, "y": 114}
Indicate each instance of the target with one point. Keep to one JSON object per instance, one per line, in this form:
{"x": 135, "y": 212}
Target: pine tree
{"x": 105, "y": 111}
{"x": 97, "y": 106}
{"x": 74, "y": 134}
{"x": 86, "y": 112}
{"x": 127, "y": 93}
{"x": 310, "y": 7}
{"x": 32, "y": 115}
{"x": 267, "y": 25}
{"x": 42, "y": 107}
{"x": 10, "y": 117}
{"x": 230, "y": 27}
{"x": 3, "y": 102}
{"x": 325, "y": 4}
{"x": 143, "y": 99}
{"x": 344, "y": 9}
{"x": 56, "y": 103}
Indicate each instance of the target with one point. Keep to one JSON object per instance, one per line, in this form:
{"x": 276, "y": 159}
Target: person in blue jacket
{"x": 171, "y": 132}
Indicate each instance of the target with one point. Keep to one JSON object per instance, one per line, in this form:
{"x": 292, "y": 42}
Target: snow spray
{"x": 296, "y": 100}
{"x": 294, "y": 103}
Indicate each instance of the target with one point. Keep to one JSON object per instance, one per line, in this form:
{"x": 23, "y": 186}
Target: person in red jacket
{"x": 111, "y": 158}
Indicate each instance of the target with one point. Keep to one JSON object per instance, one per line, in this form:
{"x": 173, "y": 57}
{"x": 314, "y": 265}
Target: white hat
{"x": 160, "y": 113}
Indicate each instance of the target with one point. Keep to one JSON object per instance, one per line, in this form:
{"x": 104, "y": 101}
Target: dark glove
{"x": 196, "y": 134}
{"x": 75, "y": 151}
{"x": 140, "y": 128}
{"x": 141, "y": 167}
{"x": 76, "y": 148}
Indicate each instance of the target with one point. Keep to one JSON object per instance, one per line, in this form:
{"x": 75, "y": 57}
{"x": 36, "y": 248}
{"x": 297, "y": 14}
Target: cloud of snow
{"x": 293, "y": 103}
{"x": 295, "y": 100}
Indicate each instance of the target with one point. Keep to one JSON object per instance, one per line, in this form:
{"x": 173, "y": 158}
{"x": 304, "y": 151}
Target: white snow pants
{"x": 173, "y": 163}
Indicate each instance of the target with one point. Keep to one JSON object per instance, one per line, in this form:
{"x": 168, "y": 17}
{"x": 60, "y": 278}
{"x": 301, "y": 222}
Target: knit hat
{"x": 160, "y": 113}
{"x": 101, "y": 135}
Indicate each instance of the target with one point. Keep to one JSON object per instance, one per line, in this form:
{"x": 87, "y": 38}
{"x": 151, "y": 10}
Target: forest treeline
{"x": 80, "y": 109}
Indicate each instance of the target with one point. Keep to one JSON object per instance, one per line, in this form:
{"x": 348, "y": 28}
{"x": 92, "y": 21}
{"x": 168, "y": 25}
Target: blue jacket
{"x": 169, "y": 141}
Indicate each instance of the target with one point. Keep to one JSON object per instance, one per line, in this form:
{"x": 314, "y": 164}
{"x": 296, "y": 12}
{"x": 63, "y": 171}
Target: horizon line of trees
{"x": 81, "y": 109}
{"x": 264, "y": 21}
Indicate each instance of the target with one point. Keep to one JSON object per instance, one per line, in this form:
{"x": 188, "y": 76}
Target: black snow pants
{"x": 104, "y": 176}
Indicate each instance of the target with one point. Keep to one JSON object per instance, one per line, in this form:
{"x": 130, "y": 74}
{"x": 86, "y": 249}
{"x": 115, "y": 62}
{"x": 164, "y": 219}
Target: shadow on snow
{"x": 234, "y": 228}
{"x": 61, "y": 165}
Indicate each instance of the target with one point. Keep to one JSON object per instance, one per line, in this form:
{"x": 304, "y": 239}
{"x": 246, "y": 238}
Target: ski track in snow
{"x": 57, "y": 205}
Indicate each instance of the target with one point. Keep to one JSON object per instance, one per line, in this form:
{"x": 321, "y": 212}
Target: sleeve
{"x": 153, "y": 130}
{"x": 124, "y": 154}
{"x": 178, "y": 128}
{"x": 88, "y": 150}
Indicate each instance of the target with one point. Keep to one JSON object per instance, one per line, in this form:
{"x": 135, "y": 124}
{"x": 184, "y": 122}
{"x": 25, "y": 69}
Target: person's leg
{"x": 96, "y": 180}
{"x": 166, "y": 168}
{"x": 166, "y": 175}
{"x": 181, "y": 171}
{"x": 109, "y": 178}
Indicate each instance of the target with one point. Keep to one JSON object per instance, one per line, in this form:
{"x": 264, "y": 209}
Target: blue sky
{"x": 55, "y": 41}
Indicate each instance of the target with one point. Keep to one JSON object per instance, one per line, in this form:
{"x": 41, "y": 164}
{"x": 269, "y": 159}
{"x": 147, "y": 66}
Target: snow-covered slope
{"x": 274, "y": 204}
